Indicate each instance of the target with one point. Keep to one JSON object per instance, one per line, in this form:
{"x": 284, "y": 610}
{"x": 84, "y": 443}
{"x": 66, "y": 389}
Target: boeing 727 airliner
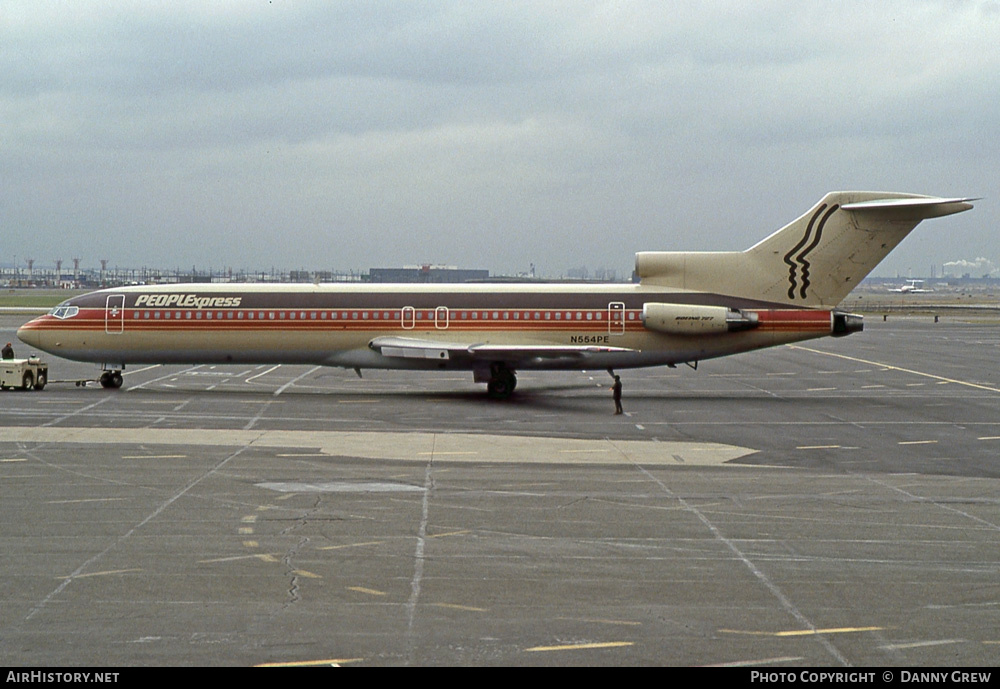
{"x": 688, "y": 306}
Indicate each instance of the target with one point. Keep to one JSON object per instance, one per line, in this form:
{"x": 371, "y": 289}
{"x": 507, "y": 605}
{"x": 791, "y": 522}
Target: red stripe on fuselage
{"x": 346, "y": 319}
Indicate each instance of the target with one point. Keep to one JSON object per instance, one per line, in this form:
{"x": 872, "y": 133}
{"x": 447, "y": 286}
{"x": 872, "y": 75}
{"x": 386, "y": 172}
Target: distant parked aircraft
{"x": 911, "y": 288}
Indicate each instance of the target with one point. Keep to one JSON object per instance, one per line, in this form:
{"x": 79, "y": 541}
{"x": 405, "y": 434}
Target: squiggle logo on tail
{"x": 798, "y": 253}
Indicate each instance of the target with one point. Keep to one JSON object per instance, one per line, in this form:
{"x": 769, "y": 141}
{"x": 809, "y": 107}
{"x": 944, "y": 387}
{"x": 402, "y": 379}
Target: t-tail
{"x": 814, "y": 261}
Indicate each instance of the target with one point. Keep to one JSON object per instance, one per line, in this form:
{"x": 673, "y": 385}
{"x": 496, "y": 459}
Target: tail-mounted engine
{"x": 688, "y": 319}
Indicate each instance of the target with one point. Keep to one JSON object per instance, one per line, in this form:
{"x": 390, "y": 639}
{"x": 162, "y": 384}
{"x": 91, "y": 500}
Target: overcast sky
{"x": 337, "y": 136}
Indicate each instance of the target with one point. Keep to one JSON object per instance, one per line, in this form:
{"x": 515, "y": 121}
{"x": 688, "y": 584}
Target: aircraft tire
{"x": 116, "y": 380}
{"x": 497, "y": 390}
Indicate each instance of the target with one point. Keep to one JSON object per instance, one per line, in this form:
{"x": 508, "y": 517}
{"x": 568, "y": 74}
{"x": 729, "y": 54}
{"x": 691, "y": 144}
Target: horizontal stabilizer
{"x": 918, "y": 208}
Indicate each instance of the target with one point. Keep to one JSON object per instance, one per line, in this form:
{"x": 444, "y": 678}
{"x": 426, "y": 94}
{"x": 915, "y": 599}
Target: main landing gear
{"x": 502, "y": 381}
{"x": 111, "y": 379}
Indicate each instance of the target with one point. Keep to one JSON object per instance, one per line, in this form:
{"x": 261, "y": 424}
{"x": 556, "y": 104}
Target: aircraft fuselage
{"x": 600, "y": 326}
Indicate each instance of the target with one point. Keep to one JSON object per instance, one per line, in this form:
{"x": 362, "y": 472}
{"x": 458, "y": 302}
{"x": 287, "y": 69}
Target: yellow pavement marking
{"x": 817, "y": 447}
{"x": 450, "y": 533}
{"x": 763, "y": 661}
{"x": 14, "y": 459}
{"x": 804, "y": 632}
{"x": 921, "y": 644}
{"x": 916, "y": 442}
{"x": 250, "y": 544}
{"x": 306, "y": 573}
{"x": 437, "y": 454}
{"x": 101, "y": 574}
{"x": 71, "y": 502}
{"x": 597, "y": 620}
{"x": 245, "y": 530}
{"x": 153, "y": 456}
{"x": 898, "y": 368}
{"x": 362, "y": 589}
{"x": 251, "y": 556}
{"x": 989, "y": 437}
{"x": 453, "y": 606}
{"x": 249, "y": 519}
{"x": 312, "y": 663}
{"x": 577, "y": 647}
{"x": 349, "y": 545}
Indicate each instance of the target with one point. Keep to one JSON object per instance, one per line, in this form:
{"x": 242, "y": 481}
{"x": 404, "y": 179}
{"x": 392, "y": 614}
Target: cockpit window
{"x": 63, "y": 311}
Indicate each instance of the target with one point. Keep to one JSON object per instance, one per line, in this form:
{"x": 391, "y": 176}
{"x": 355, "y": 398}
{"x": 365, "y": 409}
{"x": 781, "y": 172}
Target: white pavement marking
{"x": 172, "y": 374}
{"x": 262, "y": 374}
{"x": 295, "y": 380}
{"x": 418, "y": 561}
{"x": 897, "y": 368}
{"x": 784, "y": 600}
{"x": 79, "y": 571}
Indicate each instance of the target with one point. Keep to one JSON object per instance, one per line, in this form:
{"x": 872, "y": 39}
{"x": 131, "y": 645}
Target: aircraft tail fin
{"x": 815, "y": 260}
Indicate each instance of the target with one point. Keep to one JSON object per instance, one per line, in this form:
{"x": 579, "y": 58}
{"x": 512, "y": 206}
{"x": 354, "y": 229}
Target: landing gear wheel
{"x": 28, "y": 381}
{"x": 111, "y": 379}
{"x": 502, "y": 383}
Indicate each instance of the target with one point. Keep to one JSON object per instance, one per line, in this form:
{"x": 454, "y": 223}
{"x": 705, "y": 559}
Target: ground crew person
{"x": 616, "y": 391}
{"x": 8, "y": 352}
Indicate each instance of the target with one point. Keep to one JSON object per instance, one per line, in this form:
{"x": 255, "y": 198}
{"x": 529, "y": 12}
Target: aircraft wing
{"x": 417, "y": 348}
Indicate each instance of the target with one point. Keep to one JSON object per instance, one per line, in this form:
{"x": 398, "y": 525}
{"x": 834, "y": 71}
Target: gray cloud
{"x": 329, "y": 135}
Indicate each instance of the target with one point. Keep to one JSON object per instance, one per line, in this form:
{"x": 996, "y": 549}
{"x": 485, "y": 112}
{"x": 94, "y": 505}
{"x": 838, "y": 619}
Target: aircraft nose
{"x": 29, "y": 335}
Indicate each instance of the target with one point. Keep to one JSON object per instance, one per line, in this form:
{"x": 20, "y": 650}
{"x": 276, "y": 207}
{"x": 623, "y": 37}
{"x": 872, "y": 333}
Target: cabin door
{"x": 409, "y": 317}
{"x": 441, "y": 318}
{"x": 616, "y": 318}
{"x": 114, "y": 314}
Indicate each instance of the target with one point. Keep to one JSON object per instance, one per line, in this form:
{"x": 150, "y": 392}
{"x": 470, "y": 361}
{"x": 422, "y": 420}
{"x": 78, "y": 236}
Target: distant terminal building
{"x": 427, "y": 273}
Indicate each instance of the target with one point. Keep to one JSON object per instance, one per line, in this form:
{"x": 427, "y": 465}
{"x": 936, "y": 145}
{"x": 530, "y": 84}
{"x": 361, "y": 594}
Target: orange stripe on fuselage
{"x": 799, "y": 320}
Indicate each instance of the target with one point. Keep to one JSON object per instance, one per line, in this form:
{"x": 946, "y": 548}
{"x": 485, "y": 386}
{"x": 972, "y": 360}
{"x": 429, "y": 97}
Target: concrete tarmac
{"x": 828, "y": 504}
